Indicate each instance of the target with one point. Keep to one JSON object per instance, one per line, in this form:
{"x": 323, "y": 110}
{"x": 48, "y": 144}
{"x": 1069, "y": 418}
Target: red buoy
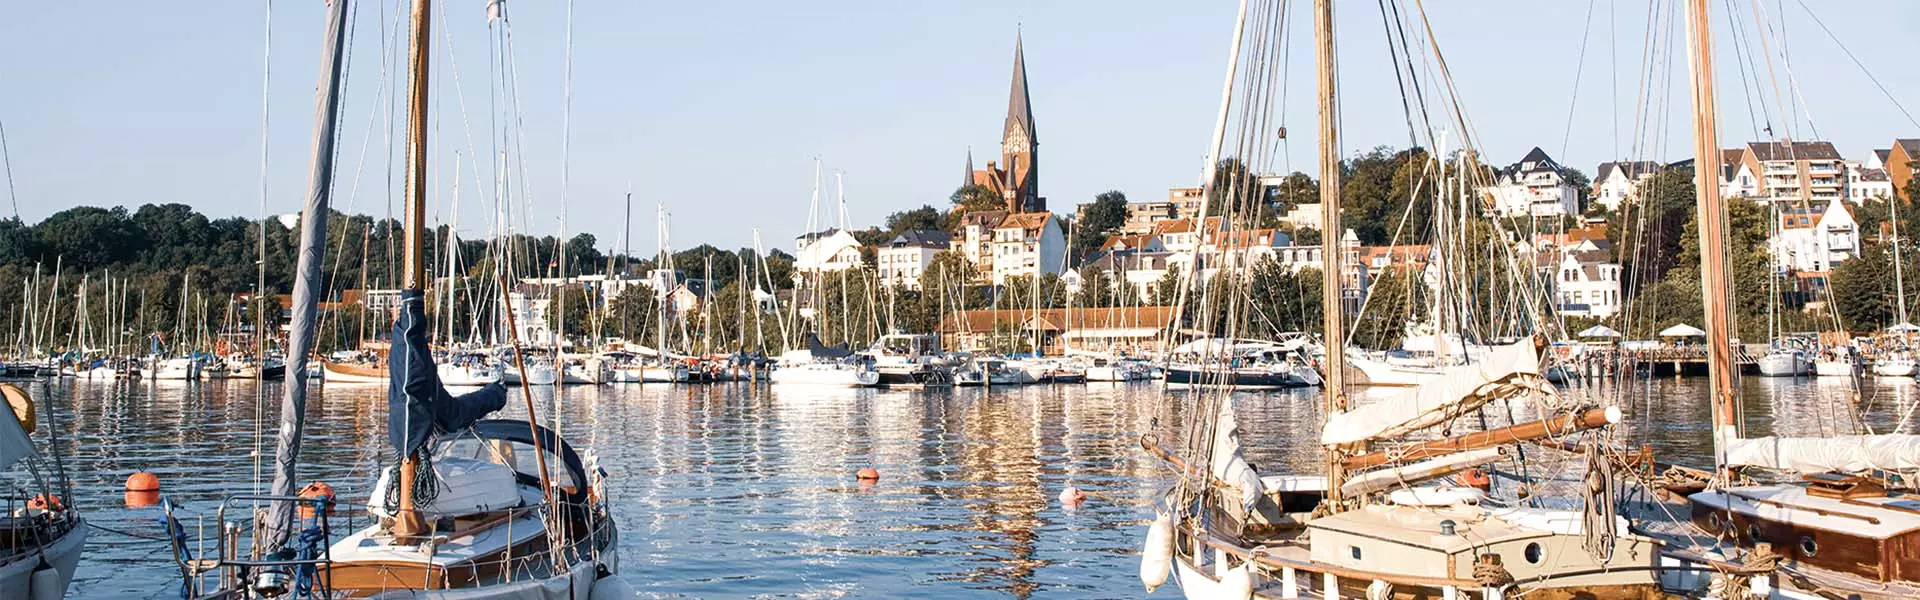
{"x": 143, "y": 481}
{"x": 869, "y": 474}
{"x": 142, "y": 499}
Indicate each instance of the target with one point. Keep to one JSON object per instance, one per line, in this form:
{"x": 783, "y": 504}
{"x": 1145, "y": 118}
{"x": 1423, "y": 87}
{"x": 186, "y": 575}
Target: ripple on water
{"x": 724, "y": 491}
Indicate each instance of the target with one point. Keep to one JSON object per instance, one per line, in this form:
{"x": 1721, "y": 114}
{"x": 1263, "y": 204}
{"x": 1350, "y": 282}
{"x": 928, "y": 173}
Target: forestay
{"x": 1504, "y": 372}
{"x": 1846, "y": 453}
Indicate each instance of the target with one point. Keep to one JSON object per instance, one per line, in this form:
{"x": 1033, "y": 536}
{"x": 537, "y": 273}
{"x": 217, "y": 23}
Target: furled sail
{"x": 1844, "y": 453}
{"x": 417, "y": 405}
{"x": 1228, "y": 463}
{"x": 1504, "y": 372}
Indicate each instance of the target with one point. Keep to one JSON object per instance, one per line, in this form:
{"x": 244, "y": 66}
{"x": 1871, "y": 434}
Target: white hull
{"x": 1783, "y": 364}
{"x": 825, "y": 374}
{"x": 1895, "y": 367}
{"x": 1379, "y": 372}
{"x": 468, "y": 376}
{"x": 17, "y": 574}
{"x": 1833, "y": 368}
{"x": 178, "y": 369}
{"x": 536, "y": 375}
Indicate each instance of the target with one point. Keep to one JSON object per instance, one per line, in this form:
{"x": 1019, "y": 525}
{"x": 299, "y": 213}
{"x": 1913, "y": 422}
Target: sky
{"x": 716, "y": 111}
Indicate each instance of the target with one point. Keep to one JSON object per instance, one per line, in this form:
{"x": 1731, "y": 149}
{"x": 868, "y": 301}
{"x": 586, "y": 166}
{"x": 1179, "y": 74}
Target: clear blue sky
{"x": 718, "y": 108}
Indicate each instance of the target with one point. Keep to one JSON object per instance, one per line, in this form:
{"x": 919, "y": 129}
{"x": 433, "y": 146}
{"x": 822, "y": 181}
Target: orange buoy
{"x": 868, "y": 474}
{"x": 317, "y": 489}
{"x": 142, "y": 499}
{"x": 46, "y": 502}
{"x": 143, "y": 481}
{"x": 1476, "y": 478}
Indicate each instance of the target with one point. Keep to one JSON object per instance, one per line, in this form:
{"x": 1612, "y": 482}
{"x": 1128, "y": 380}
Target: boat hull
{"x": 17, "y": 578}
{"x": 349, "y": 373}
{"x": 1244, "y": 378}
{"x": 1783, "y": 364}
{"x": 1895, "y": 367}
{"x": 842, "y": 377}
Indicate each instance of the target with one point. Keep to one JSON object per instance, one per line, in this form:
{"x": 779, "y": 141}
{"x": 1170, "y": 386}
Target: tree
{"x": 1098, "y": 220}
{"x": 1390, "y": 306}
{"x": 1647, "y": 233}
{"x": 1097, "y": 289}
{"x": 1306, "y": 236}
{"x": 1582, "y": 186}
{"x": 635, "y": 314}
{"x": 1282, "y": 301}
{"x": 1237, "y": 196}
{"x": 578, "y": 313}
{"x": 1380, "y": 193}
{"x": 1864, "y": 293}
{"x": 925, "y": 217}
{"x": 1294, "y": 190}
{"x": 1166, "y": 291}
{"x": 977, "y": 197}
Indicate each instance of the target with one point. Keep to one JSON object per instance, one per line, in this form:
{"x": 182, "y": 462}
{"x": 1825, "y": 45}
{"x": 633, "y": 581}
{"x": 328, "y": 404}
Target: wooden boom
{"x": 1531, "y": 430}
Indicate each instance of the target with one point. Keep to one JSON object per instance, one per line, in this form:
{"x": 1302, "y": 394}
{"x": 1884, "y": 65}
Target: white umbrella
{"x": 1683, "y": 330}
{"x": 1598, "y": 331}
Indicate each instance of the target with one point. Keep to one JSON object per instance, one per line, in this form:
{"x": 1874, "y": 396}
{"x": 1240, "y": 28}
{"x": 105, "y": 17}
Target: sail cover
{"x": 1503, "y": 372}
{"x": 417, "y": 405}
{"x": 821, "y": 350}
{"x": 14, "y": 442}
{"x": 1844, "y": 453}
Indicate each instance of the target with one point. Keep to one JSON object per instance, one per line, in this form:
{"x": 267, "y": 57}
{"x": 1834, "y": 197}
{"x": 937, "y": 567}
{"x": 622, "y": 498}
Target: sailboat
{"x": 1373, "y": 523}
{"x": 464, "y": 513}
{"x": 45, "y": 537}
{"x": 1837, "y": 532}
{"x": 1896, "y": 358}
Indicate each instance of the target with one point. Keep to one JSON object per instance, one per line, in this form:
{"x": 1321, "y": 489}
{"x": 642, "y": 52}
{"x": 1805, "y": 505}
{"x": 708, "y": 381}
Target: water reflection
{"x": 732, "y": 491}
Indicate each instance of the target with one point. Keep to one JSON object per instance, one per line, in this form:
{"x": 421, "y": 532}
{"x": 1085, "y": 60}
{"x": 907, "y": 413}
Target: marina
{"x": 729, "y": 490}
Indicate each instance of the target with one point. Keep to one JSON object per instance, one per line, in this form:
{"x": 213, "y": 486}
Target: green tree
{"x": 1390, "y": 306}
{"x": 577, "y": 310}
{"x": 1102, "y": 218}
{"x": 925, "y": 217}
{"x": 1294, "y": 190}
{"x": 977, "y": 197}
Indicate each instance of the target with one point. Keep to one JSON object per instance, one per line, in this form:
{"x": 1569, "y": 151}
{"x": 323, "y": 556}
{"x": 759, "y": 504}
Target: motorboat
{"x": 1243, "y": 363}
{"x": 1837, "y": 361}
{"x": 468, "y": 369}
{"x": 1895, "y": 363}
{"x": 819, "y": 364}
{"x": 1785, "y": 361}
{"x": 910, "y": 360}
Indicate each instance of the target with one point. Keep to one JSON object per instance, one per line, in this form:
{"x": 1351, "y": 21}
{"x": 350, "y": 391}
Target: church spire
{"x": 1019, "y": 107}
{"x": 969, "y": 178}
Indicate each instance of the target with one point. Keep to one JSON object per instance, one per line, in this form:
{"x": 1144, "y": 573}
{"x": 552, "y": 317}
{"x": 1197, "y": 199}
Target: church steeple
{"x": 968, "y": 180}
{"x": 1020, "y": 142}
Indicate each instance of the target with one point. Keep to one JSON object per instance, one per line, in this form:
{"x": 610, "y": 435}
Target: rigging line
{"x": 6, "y": 163}
{"x": 1741, "y": 58}
{"x": 1780, "y": 102}
{"x": 1856, "y": 62}
{"x": 1399, "y": 78}
{"x": 466, "y": 124}
{"x": 1579, "y": 66}
{"x": 1413, "y": 76}
{"x": 266, "y": 103}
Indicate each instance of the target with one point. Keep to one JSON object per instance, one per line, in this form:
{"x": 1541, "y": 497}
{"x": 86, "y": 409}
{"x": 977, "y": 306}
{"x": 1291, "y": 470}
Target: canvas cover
{"x": 1505, "y": 372}
{"x": 1845, "y": 453}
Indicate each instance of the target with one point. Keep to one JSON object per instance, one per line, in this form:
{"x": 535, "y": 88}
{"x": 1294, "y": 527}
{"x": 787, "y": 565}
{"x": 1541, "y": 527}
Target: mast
{"x": 408, "y": 524}
{"x": 307, "y": 278}
{"x": 1899, "y": 282}
{"x": 1332, "y": 322}
{"x": 1712, "y": 216}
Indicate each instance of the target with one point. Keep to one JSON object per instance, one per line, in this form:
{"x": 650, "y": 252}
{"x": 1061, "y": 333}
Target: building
{"x": 1617, "y": 183}
{"x": 1813, "y": 239}
{"x": 1186, "y": 201}
{"x": 1536, "y": 186}
{"x": 975, "y": 240}
{"x": 1028, "y": 244}
{"x": 901, "y": 260}
{"x": 1794, "y": 172}
{"x": 1144, "y": 242}
{"x": 1586, "y": 283}
{"x": 1737, "y": 178}
{"x": 1123, "y": 330}
{"x": 1142, "y": 216}
{"x": 827, "y": 251}
{"x": 1864, "y": 182}
{"x": 1304, "y": 216}
{"x": 1016, "y": 177}
{"x": 1901, "y": 161}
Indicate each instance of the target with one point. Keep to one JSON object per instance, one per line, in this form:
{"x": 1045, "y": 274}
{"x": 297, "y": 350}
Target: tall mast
{"x": 307, "y": 278}
{"x": 1899, "y": 282}
{"x": 1332, "y": 323}
{"x": 409, "y": 525}
{"x": 1712, "y": 217}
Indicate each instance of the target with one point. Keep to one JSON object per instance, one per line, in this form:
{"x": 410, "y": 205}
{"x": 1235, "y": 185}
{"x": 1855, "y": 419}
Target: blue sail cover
{"x": 417, "y": 405}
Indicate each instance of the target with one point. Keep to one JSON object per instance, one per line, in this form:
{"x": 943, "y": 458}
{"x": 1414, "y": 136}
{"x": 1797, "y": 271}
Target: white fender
{"x": 1238, "y": 582}
{"x": 1156, "y": 560}
{"x": 45, "y": 584}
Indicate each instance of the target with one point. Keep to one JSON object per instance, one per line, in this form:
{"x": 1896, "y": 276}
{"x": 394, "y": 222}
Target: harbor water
{"x": 738, "y": 491}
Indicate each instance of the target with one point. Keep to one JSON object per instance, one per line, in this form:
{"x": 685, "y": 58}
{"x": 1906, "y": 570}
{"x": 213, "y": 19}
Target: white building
{"x": 902, "y": 260}
{"x": 1536, "y": 187}
{"x": 1617, "y": 183}
{"x": 1864, "y": 182}
{"x": 1791, "y": 173}
{"x": 1304, "y": 216}
{"x": 975, "y": 240}
{"x": 1028, "y": 244}
{"x": 1586, "y": 283}
{"x": 827, "y": 251}
{"x": 1811, "y": 240}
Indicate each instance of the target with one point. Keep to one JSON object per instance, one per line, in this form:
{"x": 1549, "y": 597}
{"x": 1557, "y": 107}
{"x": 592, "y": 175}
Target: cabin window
{"x": 1808, "y": 547}
{"x": 1534, "y": 553}
{"x": 1355, "y": 551}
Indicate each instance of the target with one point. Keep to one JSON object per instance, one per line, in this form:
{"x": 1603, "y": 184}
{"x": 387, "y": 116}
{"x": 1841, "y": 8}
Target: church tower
{"x": 1019, "y": 146}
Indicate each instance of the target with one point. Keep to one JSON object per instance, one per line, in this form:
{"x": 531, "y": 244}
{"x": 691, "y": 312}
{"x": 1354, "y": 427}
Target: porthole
{"x": 1808, "y": 547}
{"x": 1355, "y": 551}
{"x": 1534, "y": 553}
{"x": 1753, "y": 533}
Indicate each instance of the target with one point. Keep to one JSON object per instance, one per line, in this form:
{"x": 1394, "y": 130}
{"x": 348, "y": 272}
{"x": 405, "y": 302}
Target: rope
{"x": 137, "y": 536}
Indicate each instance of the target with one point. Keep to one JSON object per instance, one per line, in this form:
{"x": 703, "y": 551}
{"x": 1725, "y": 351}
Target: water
{"x": 732, "y": 491}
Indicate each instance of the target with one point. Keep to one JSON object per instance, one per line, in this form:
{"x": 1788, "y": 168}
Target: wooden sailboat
{"x": 1838, "y": 532}
{"x": 1371, "y": 523}
{"x": 463, "y": 514}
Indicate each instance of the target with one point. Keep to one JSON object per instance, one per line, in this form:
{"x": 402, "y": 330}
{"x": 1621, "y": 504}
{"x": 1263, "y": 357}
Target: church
{"x": 1016, "y": 176}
